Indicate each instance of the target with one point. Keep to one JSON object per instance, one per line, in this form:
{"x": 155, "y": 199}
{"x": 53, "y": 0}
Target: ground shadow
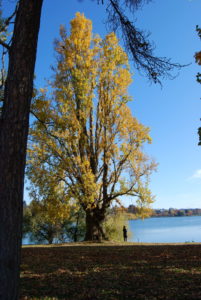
{"x": 112, "y": 272}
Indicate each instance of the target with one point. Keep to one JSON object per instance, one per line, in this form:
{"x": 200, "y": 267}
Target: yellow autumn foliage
{"x": 85, "y": 136}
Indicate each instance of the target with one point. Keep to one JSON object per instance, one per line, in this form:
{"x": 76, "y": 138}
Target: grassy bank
{"x": 111, "y": 271}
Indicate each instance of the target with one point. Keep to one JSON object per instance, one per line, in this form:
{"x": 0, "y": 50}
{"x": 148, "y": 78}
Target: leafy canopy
{"x": 85, "y": 143}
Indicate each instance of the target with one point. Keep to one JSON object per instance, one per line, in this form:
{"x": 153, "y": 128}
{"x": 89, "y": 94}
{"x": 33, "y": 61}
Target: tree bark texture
{"x": 14, "y": 125}
{"x": 94, "y": 225}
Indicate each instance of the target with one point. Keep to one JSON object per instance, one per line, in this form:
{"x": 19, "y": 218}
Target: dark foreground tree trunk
{"x": 94, "y": 226}
{"x": 14, "y": 124}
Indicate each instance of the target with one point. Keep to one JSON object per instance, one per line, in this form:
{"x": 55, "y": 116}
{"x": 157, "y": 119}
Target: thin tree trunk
{"x": 14, "y": 125}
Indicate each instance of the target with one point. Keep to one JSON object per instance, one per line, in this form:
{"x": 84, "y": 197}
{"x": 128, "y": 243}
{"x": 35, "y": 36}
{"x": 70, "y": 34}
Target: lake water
{"x": 166, "y": 230}
{"x": 162, "y": 230}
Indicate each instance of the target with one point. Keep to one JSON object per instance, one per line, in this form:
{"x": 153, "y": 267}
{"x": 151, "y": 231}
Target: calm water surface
{"x": 162, "y": 230}
{"x": 166, "y": 230}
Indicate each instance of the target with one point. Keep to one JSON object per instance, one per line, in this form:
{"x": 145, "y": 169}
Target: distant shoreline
{"x": 171, "y": 212}
{"x": 137, "y": 218}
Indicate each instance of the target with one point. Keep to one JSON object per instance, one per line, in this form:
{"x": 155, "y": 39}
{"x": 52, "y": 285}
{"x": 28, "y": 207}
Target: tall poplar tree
{"x": 85, "y": 136}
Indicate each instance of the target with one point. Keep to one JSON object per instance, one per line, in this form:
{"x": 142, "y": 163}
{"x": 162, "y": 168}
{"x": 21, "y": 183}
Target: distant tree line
{"x": 171, "y": 212}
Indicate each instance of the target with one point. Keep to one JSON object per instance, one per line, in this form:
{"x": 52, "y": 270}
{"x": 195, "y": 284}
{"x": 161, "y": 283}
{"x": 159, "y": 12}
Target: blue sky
{"x": 173, "y": 111}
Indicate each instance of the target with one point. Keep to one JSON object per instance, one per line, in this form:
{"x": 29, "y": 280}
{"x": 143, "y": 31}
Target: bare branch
{"x": 136, "y": 42}
{"x": 5, "y": 45}
{"x": 7, "y": 21}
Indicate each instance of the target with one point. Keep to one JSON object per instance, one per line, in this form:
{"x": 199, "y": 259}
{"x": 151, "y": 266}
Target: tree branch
{"x": 5, "y": 45}
{"x": 137, "y": 44}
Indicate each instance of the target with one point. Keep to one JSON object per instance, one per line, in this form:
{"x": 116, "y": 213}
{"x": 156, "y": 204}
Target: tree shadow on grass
{"x": 112, "y": 272}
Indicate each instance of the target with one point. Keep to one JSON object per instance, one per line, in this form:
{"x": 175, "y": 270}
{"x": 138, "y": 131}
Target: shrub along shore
{"x": 111, "y": 271}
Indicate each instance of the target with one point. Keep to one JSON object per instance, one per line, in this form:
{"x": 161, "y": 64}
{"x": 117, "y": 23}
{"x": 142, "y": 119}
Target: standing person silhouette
{"x": 125, "y": 233}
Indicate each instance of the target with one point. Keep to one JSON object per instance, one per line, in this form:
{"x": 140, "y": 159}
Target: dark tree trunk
{"x": 94, "y": 225}
{"x": 14, "y": 125}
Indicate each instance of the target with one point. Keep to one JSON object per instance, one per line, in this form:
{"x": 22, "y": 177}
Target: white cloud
{"x": 196, "y": 175}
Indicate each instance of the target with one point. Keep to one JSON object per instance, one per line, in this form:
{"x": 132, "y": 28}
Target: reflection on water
{"x": 166, "y": 230}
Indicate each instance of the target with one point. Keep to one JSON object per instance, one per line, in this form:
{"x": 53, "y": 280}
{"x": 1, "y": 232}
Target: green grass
{"x": 111, "y": 271}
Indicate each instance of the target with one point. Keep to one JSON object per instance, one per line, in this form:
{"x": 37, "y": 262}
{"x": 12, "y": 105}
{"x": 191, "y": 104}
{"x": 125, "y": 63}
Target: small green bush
{"x": 113, "y": 226}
